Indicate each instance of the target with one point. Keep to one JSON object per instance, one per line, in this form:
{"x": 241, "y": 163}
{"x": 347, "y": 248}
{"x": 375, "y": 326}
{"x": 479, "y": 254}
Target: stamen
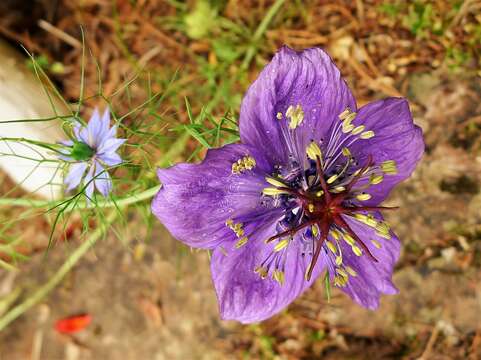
{"x": 389, "y": 167}
{"x": 313, "y": 151}
{"x": 281, "y": 245}
{"x": 279, "y": 116}
{"x": 262, "y": 271}
{"x": 367, "y": 135}
{"x": 376, "y": 179}
{"x": 243, "y": 164}
{"x": 363, "y": 197}
{"x": 270, "y": 191}
{"x": 376, "y": 243}
{"x": 358, "y": 129}
{"x": 350, "y": 271}
{"x": 241, "y": 242}
{"x": 278, "y": 275}
{"x": 275, "y": 182}
{"x": 296, "y": 115}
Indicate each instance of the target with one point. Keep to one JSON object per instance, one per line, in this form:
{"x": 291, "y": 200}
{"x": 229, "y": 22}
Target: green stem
{"x": 147, "y": 194}
{"x": 176, "y": 149}
{"x": 251, "y": 51}
{"x": 38, "y": 295}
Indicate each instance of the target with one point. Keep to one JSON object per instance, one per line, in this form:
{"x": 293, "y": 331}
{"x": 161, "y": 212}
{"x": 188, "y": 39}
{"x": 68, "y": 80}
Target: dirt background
{"x": 152, "y": 298}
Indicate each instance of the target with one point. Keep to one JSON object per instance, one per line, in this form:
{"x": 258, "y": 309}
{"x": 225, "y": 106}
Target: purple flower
{"x": 92, "y": 151}
{"x": 300, "y": 195}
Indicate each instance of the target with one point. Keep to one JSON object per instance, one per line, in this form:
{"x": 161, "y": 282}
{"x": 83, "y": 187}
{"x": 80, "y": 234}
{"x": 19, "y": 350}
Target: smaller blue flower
{"x": 92, "y": 150}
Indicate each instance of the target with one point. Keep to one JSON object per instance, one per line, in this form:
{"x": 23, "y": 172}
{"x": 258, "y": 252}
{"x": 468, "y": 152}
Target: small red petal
{"x": 73, "y": 324}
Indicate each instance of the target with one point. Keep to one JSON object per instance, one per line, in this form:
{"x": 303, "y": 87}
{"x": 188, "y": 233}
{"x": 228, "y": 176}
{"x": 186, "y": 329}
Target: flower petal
{"x": 309, "y": 79}
{"x": 110, "y": 145}
{"x": 373, "y": 278}
{"x": 102, "y": 180}
{"x": 196, "y": 200}
{"x": 75, "y": 175}
{"x": 396, "y": 138}
{"x": 89, "y": 182}
{"x": 110, "y": 159}
{"x": 242, "y": 294}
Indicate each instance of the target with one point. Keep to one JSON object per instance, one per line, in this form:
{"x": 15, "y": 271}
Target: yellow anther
{"x": 313, "y": 151}
{"x": 345, "y": 114}
{"x": 349, "y": 239}
{"x": 315, "y": 230}
{"x": 356, "y": 250}
{"x": 332, "y": 178}
{"x": 350, "y": 271}
{"x": 331, "y": 247}
{"x": 319, "y": 193}
{"x": 382, "y": 227}
{"x": 271, "y": 191}
{"x": 343, "y": 273}
{"x": 242, "y": 241}
{"x": 358, "y": 129}
{"x": 296, "y": 115}
{"x": 367, "y": 135}
{"x": 279, "y": 116}
{"x": 351, "y": 116}
{"x": 281, "y": 245}
{"x": 243, "y": 164}
{"x": 363, "y": 196}
{"x": 347, "y": 127}
{"x": 235, "y": 227}
{"x": 340, "y": 281}
{"x": 376, "y": 179}
{"x": 346, "y": 152}
{"x": 275, "y": 182}
{"x": 338, "y": 260}
{"x": 368, "y": 220}
{"x": 339, "y": 189}
{"x": 389, "y": 167}
{"x": 279, "y": 276}
{"x": 262, "y": 271}
{"x": 376, "y": 243}
{"x": 335, "y": 234}
{"x": 311, "y": 208}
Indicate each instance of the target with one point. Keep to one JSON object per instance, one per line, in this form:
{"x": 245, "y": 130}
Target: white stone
{"x": 22, "y": 96}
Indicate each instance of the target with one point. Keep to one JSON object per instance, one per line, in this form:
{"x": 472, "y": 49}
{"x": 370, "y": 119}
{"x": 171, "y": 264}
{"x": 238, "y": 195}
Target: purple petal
{"x": 373, "y": 278}
{"x": 89, "y": 183}
{"x": 242, "y": 294}
{"x": 75, "y": 175}
{"x": 396, "y": 138}
{"x": 110, "y": 159}
{"x": 110, "y": 145}
{"x": 102, "y": 180}
{"x": 308, "y": 78}
{"x": 66, "y": 143}
{"x": 196, "y": 200}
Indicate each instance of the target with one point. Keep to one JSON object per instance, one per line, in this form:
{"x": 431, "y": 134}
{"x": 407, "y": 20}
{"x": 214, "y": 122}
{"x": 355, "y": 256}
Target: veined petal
{"x": 304, "y": 84}
{"x": 89, "y": 182}
{"x": 110, "y": 159}
{"x": 102, "y": 180}
{"x": 196, "y": 200}
{"x": 372, "y": 278}
{"x": 75, "y": 175}
{"x": 110, "y": 145}
{"x": 396, "y": 138}
{"x": 246, "y": 297}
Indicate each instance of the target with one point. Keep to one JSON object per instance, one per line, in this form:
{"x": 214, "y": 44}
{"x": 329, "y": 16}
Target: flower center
{"x": 81, "y": 151}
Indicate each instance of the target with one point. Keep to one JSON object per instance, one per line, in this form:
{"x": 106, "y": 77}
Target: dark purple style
{"x": 300, "y": 195}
